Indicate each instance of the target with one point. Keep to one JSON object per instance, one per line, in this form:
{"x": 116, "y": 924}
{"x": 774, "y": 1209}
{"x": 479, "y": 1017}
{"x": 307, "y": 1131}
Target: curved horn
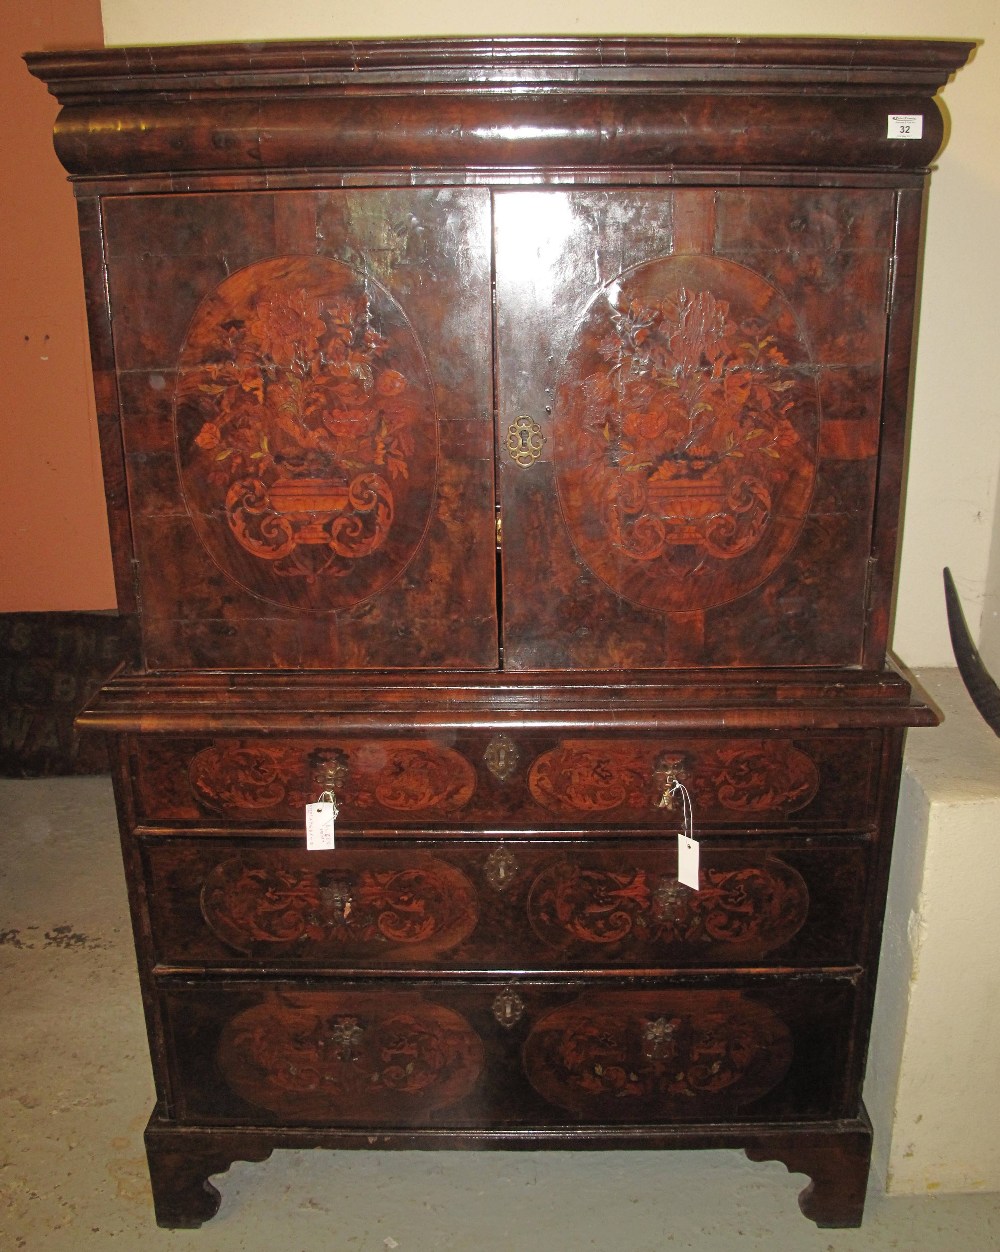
{"x": 984, "y": 691}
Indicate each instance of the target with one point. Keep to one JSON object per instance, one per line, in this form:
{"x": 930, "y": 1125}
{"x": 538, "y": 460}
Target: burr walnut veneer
{"x": 504, "y": 435}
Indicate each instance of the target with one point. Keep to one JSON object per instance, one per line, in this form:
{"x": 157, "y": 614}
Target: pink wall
{"x": 54, "y": 551}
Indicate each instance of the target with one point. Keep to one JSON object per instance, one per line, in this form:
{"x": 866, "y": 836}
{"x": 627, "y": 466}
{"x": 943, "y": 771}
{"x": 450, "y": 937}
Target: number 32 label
{"x": 905, "y": 126}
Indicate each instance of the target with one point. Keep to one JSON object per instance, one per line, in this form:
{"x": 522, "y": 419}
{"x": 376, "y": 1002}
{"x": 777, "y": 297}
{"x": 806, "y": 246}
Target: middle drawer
{"x": 512, "y": 905}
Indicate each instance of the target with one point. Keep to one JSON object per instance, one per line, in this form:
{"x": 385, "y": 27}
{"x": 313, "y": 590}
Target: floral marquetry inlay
{"x": 350, "y": 1057}
{"x": 367, "y": 904}
{"x": 686, "y": 433}
{"x": 590, "y": 776}
{"x": 397, "y": 776}
{"x": 667, "y": 1053}
{"x": 306, "y": 432}
{"x": 743, "y": 912}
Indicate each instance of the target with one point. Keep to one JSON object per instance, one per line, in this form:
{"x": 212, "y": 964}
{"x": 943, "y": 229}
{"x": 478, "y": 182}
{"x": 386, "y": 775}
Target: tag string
{"x": 677, "y": 788}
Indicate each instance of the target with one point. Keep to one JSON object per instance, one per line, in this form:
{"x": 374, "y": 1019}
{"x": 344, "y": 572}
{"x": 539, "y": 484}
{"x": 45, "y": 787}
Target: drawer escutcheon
{"x": 501, "y": 868}
{"x": 508, "y": 1007}
{"x": 502, "y": 757}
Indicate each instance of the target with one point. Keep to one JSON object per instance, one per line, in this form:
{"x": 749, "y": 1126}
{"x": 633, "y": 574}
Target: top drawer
{"x": 517, "y": 781}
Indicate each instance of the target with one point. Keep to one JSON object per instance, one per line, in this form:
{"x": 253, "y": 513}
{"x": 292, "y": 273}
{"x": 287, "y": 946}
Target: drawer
{"x": 506, "y": 1055}
{"x": 528, "y": 781}
{"x": 535, "y": 905}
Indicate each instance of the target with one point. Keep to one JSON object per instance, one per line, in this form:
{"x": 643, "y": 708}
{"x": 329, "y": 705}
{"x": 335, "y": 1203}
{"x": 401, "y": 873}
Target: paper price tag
{"x": 687, "y": 862}
{"x": 321, "y": 818}
{"x": 905, "y": 126}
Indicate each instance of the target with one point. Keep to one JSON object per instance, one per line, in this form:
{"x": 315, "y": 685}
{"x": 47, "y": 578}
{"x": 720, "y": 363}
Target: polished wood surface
{"x": 499, "y": 103}
{"x": 318, "y": 414}
{"x": 704, "y": 492}
{"x": 505, "y": 437}
{"x": 552, "y": 781}
{"x": 235, "y": 900}
{"x": 561, "y": 1054}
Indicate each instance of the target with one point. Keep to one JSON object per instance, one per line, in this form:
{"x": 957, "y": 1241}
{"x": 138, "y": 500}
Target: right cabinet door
{"x": 690, "y": 393}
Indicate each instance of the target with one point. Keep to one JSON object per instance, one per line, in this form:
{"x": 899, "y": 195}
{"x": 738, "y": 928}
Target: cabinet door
{"x": 304, "y": 381}
{"x": 689, "y": 392}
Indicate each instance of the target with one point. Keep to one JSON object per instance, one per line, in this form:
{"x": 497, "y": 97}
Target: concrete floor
{"x": 75, "y": 1093}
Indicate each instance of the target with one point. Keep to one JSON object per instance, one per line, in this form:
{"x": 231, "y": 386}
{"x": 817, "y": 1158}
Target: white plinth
{"x": 933, "y": 1084}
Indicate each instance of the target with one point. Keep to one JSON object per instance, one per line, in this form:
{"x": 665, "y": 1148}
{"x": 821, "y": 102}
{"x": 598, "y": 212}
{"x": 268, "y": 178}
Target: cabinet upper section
{"x": 541, "y": 355}
{"x": 489, "y": 106}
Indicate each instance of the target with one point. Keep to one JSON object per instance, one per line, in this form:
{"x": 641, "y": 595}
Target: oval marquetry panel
{"x": 361, "y": 905}
{"x": 401, "y": 776}
{"x": 306, "y": 432}
{"x": 243, "y": 778}
{"x": 686, "y": 429}
{"x": 744, "y": 912}
{"x": 753, "y": 777}
{"x": 350, "y": 1056}
{"x": 657, "y": 1054}
{"x": 765, "y": 777}
{"x": 594, "y": 776}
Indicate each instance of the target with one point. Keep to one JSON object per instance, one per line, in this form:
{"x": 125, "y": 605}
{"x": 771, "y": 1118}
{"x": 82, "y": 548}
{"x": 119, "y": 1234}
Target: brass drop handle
{"x": 669, "y": 776}
{"x": 666, "y": 800}
{"x": 346, "y": 1034}
{"x": 658, "y": 1038}
{"x": 329, "y": 768}
{"x": 335, "y": 897}
{"x": 670, "y": 900}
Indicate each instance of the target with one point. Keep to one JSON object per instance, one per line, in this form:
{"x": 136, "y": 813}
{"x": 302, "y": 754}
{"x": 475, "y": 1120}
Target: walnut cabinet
{"x": 507, "y": 437}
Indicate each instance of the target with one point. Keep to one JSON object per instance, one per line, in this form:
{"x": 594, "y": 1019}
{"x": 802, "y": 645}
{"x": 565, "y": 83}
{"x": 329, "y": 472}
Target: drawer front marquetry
{"x": 350, "y": 1055}
{"x": 747, "y": 909}
{"x": 528, "y": 781}
{"x": 467, "y": 904}
{"x": 735, "y": 779}
{"x": 272, "y": 781}
{"x": 520, "y": 1053}
{"x": 608, "y": 1051}
{"x": 351, "y": 908}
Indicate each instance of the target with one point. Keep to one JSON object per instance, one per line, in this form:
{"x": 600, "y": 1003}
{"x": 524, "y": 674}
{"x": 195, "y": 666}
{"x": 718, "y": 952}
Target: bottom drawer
{"x": 508, "y": 1054}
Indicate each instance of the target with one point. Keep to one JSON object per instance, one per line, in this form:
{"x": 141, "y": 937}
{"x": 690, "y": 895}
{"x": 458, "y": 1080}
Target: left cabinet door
{"x": 303, "y": 381}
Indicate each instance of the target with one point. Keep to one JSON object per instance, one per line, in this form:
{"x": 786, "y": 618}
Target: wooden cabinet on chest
{"x": 507, "y": 437}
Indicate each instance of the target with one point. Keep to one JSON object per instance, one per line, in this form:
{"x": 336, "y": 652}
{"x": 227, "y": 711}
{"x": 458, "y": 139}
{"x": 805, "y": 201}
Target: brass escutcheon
{"x": 501, "y": 757}
{"x": 524, "y": 441}
{"x": 508, "y": 1007}
{"x": 501, "y": 868}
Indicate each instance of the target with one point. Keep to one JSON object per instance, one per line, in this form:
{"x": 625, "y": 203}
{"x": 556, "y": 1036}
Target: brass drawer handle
{"x": 658, "y": 1038}
{"x": 668, "y": 771}
{"x": 346, "y": 1034}
{"x": 670, "y": 900}
{"x": 328, "y": 768}
{"x": 335, "y": 897}
{"x": 508, "y": 1007}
